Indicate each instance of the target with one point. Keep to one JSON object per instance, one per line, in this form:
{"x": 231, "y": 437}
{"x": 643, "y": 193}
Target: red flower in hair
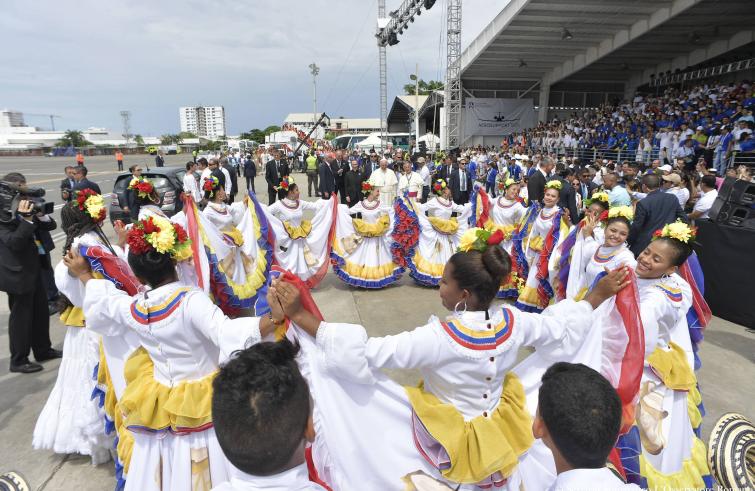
{"x": 149, "y": 226}
{"x": 495, "y": 238}
{"x": 136, "y": 242}
{"x": 603, "y": 216}
{"x": 366, "y": 186}
{"x": 658, "y": 233}
{"x": 180, "y": 233}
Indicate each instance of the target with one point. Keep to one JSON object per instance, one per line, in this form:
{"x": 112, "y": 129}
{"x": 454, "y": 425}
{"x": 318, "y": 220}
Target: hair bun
{"x": 496, "y": 262}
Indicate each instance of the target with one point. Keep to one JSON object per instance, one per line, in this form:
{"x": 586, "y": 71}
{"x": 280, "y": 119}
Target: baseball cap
{"x": 699, "y": 128}
{"x": 673, "y": 178}
{"x": 665, "y": 168}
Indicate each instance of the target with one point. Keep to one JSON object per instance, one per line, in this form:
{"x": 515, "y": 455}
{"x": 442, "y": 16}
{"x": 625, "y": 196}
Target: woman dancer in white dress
{"x": 70, "y": 421}
{"x": 467, "y": 423}
{"x": 441, "y": 225}
{"x": 362, "y": 255}
{"x": 302, "y": 246}
{"x": 183, "y": 337}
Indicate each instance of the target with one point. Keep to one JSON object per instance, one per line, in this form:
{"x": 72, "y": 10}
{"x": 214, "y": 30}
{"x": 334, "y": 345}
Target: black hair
{"x": 82, "y": 169}
{"x": 260, "y": 407}
{"x": 152, "y": 199}
{"x": 76, "y": 222}
{"x": 582, "y": 413}
{"x": 481, "y": 273}
{"x": 153, "y": 267}
{"x": 709, "y": 181}
{"x": 202, "y": 161}
{"x": 619, "y": 219}
{"x": 651, "y": 181}
{"x": 131, "y": 168}
{"x": 15, "y": 177}
{"x": 189, "y": 164}
{"x": 682, "y": 250}
{"x": 292, "y": 187}
{"x": 208, "y": 195}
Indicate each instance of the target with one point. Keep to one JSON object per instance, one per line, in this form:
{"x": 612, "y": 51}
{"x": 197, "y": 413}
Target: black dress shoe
{"x": 50, "y": 354}
{"x": 27, "y": 367}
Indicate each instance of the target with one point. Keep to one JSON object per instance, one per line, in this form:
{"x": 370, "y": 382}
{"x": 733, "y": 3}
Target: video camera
{"x": 12, "y": 193}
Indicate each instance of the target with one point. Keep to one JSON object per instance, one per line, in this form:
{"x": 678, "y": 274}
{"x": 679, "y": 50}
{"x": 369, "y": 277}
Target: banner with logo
{"x": 497, "y": 117}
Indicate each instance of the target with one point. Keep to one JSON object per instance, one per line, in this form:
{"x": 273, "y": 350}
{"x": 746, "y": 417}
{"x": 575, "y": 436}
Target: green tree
{"x": 425, "y": 88}
{"x": 139, "y": 140}
{"x": 73, "y": 138}
{"x": 169, "y": 139}
{"x": 186, "y": 134}
{"x": 271, "y": 129}
{"x": 254, "y": 135}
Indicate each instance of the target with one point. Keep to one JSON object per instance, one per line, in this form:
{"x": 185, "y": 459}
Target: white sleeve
{"x": 313, "y": 205}
{"x": 227, "y": 334}
{"x": 68, "y": 285}
{"x": 559, "y": 330}
{"x": 106, "y": 308}
{"x": 651, "y": 310}
{"x": 237, "y": 210}
{"x": 348, "y": 350}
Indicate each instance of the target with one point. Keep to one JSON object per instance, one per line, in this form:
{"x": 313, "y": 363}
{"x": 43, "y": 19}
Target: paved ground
{"x": 728, "y": 354}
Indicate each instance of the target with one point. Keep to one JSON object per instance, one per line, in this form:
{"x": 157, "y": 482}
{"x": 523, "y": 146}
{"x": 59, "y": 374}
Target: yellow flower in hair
{"x": 554, "y": 184}
{"x": 182, "y": 252}
{"x": 600, "y": 196}
{"x": 621, "y": 211}
{"x": 94, "y": 206}
{"x": 468, "y": 240}
{"x": 679, "y": 231}
{"x": 163, "y": 240}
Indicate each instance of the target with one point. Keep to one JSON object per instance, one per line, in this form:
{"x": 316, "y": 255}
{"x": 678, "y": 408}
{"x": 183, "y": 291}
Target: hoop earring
{"x": 456, "y": 308}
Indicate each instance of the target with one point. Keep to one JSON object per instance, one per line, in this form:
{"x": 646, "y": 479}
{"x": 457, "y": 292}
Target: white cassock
{"x": 385, "y": 180}
{"x": 410, "y": 183}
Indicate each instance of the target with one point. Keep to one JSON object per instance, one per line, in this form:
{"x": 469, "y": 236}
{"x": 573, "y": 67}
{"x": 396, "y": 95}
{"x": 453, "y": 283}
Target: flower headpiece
{"x": 161, "y": 235}
{"x": 286, "y": 183}
{"x": 438, "y": 186}
{"x": 479, "y": 239}
{"x": 210, "y": 185}
{"x": 92, "y": 204}
{"x": 366, "y": 188}
{"x": 678, "y": 231}
{"x": 554, "y": 184}
{"x": 621, "y": 211}
{"x": 143, "y": 187}
{"x": 506, "y": 183}
{"x": 597, "y": 196}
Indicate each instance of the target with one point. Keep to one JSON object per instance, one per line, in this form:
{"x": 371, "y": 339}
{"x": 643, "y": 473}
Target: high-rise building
{"x": 11, "y": 119}
{"x": 206, "y": 121}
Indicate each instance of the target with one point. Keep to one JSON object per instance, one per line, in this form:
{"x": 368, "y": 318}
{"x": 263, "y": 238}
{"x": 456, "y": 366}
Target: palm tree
{"x": 73, "y": 138}
{"x": 425, "y": 88}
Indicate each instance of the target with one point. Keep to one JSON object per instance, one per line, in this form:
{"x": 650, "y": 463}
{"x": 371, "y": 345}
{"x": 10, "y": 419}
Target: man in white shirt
{"x": 578, "y": 418}
{"x": 410, "y": 182}
{"x": 672, "y": 184}
{"x": 424, "y": 173}
{"x": 258, "y": 386}
{"x": 385, "y": 179}
{"x": 191, "y": 186}
{"x": 704, "y": 204}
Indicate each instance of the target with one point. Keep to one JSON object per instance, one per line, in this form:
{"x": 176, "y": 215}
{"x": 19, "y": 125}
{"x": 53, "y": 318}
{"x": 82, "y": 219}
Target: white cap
{"x": 699, "y": 128}
{"x": 665, "y": 168}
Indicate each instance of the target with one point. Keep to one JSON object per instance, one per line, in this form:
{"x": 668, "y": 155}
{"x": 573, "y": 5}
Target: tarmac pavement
{"x": 728, "y": 353}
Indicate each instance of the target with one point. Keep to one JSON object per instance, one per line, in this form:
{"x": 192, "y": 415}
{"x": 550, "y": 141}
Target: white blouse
{"x": 371, "y": 211}
{"x": 664, "y": 303}
{"x": 287, "y": 210}
{"x": 295, "y": 479}
{"x": 224, "y": 216}
{"x": 467, "y": 375}
{"x": 441, "y": 208}
{"x": 505, "y": 212}
{"x": 185, "y": 334}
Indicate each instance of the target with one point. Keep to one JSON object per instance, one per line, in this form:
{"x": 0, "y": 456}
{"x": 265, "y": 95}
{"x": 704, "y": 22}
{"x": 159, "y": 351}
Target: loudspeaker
{"x": 735, "y": 204}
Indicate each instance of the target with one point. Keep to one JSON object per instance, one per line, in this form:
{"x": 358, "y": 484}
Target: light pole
{"x": 315, "y": 71}
{"x": 415, "y": 77}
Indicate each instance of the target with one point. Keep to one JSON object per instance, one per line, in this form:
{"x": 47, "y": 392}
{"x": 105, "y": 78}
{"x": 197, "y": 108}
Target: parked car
{"x": 168, "y": 182}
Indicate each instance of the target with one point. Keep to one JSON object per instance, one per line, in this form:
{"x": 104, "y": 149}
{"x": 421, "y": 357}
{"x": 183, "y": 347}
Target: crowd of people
{"x": 214, "y": 368}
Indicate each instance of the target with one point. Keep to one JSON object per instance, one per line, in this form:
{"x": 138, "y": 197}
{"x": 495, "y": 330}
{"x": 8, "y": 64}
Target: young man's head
{"x": 578, "y": 415}
{"x": 261, "y": 409}
{"x": 135, "y": 170}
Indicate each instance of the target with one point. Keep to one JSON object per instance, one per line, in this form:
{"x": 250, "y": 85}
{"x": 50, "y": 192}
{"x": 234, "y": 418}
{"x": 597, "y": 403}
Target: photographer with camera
{"x": 24, "y": 221}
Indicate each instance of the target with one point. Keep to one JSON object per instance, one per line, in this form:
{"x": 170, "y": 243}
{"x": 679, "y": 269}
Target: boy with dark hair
{"x": 263, "y": 418}
{"x": 578, "y": 418}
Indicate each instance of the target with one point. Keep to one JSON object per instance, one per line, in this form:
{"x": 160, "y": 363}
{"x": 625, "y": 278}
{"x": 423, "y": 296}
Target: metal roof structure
{"x": 606, "y": 48}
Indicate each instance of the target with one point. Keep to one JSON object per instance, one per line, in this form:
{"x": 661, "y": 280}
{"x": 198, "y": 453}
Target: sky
{"x": 87, "y": 60}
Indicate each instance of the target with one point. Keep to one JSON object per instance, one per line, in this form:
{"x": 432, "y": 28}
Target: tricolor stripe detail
{"x": 157, "y": 313}
{"x": 675, "y": 294}
{"x": 481, "y": 340}
{"x": 601, "y": 259}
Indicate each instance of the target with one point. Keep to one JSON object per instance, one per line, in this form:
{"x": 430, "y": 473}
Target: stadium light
{"x": 565, "y": 34}
{"x": 398, "y": 21}
{"x": 429, "y": 4}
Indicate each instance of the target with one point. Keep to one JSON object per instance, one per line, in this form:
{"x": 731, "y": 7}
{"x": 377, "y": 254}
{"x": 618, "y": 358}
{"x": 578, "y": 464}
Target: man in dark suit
{"x": 586, "y": 186}
{"x": 370, "y": 166}
{"x": 80, "y": 174}
{"x": 327, "y": 179}
{"x": 21, "y": 262}
{"x": 233, "y": 174}
{"x": 131, "y": 206}
{"x": 214, "y": 166}
{"x": 353, "y": 184}
{"x": 567, "y": 196}
{"x": 444, "y": 170}
{"x": 275, "y": 170}
{"x": 250, "y": 172}
{"x": 536, "y": 182}
{"x": 340, "y": 168}
{"x": 460, "y": 183}
{"x": 159, "y": 159}
{"x": 653, "y": 212}
{"x": 67, "y": 184}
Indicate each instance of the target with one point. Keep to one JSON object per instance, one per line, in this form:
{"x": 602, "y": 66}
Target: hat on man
{"x": 673, "y": 178}
{"x": 731, "y": 452}
{"x": 665, "y": 168}
{"x": 699, "y": 128}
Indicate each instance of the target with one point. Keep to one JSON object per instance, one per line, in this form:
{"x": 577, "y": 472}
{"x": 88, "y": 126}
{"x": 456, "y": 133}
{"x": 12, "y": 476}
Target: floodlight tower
{"x": 315, "y": 71}
{"x": 126, "y": 119}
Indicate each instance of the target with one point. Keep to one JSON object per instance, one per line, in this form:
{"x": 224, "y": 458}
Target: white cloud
{"x": 87, "y": 60}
